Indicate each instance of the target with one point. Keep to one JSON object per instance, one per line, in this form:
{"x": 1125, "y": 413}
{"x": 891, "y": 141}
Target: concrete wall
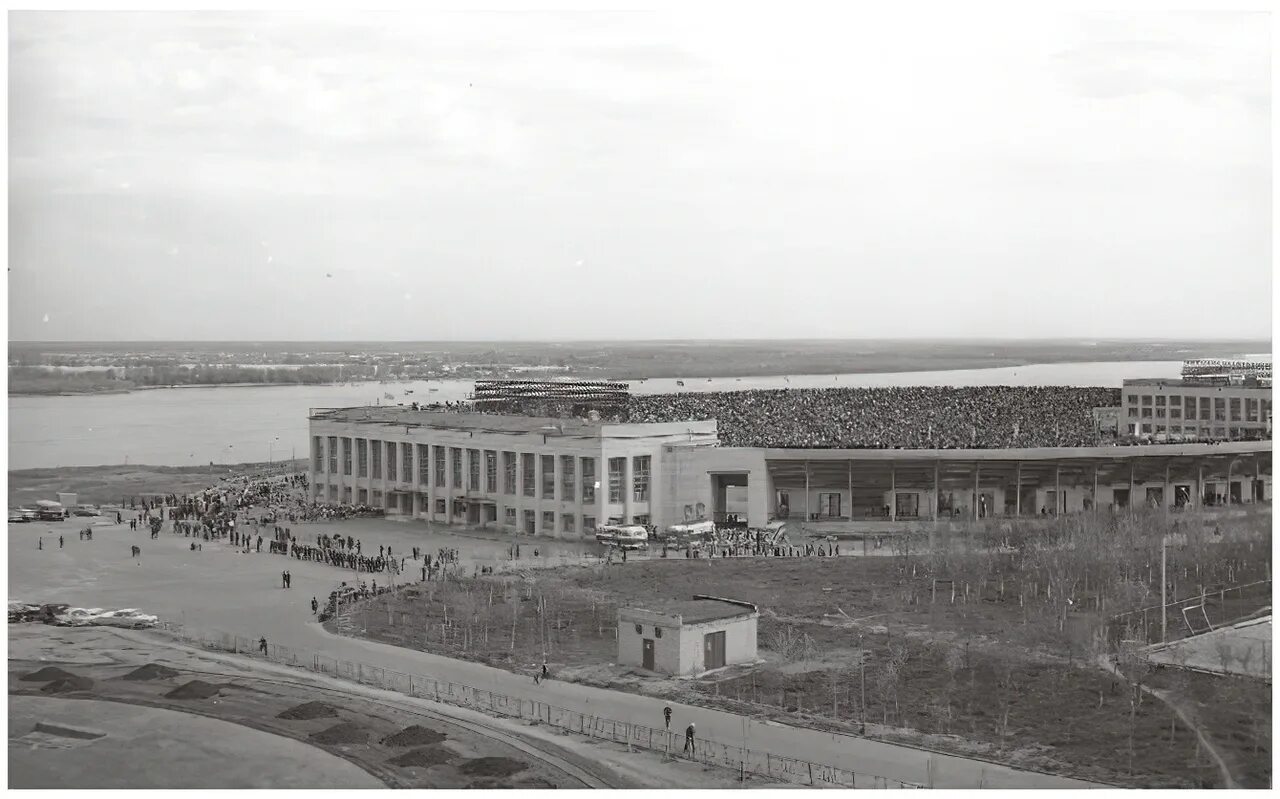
{"x": 666, "y": 650}
{"x": 739, "y": 643}
{"x": 687, "y": 481}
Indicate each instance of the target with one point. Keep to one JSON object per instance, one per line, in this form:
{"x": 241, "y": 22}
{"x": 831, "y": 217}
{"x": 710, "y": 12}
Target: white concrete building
{"x": 687, "y": 638}
{"x": 563, "y": 477}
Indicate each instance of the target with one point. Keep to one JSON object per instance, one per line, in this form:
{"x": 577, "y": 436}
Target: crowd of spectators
{"x": 981, "y": 417}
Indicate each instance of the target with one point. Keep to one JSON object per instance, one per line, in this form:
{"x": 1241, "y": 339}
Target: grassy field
{"x": 993, "y": 674}
{"x": 109, "y": 484}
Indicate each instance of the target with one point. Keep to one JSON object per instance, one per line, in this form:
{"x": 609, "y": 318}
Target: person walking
{"x": 545, "y": 673}
{"x": 262, "y": 645}
{"x": 284, "y": 580}
{"x": 59, "y": 542}
{"x": 688, "y": 740}
{"x": 315, "y": 606}
{"x": 666, "y": 717}
{"x": 288, "y": 580}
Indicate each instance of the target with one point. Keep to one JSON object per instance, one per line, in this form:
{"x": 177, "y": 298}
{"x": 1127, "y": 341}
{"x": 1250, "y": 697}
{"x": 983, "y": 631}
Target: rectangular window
{"x": 510, "y": 514}
{"x": 1146, "y": 428}
{"x": 1219, "y": 409}
{"x": 438, "y": 465}
{"x": 829, "y": 505}
{"x": 1251, "y": 410}
{"x": 588, "y": 481}
{"x": 362, "y": 457}
{"x": 376, "y": 448}
{"x": 1133, "y": 413}
{"x": 1175, "y": 413}
{"x": 455, "y": 467}
{"x": 406, "y": 462}
{"x": 549, "y": 521}
{"x": 1175, "y": 400}
{"x": 1159, "y": 413}
{"x": 528, "y": 476}
{"x": 588, "y": 524}
{"x": 377, "y": 499}
{"x": 1235, "y": 409}
{"x": 1220, "y": 432}
{"x": 473, "y": 470}
{"x": 566, "y": 523}
{"x": 391, "y": 461}
{"x": 440, "y": 503}
{"x": 616, "y": 467}
{"x": 346, "y": 495}
{"x": 1133, "y": 399}
{"x": 424, "y": 465}
{"x": 530, "y": 517}
{"x": 568, "y": 483}
{"x": 640, "y": 478}
{"x": 549, "y": 478}
{"x": 509, "y": 475}
{"x": 1146, "y": 399}
{"x": 317, "y": 454}
{"x": 640, "y": 518}
{"x": 490, "y": 471}
{"x": 1160, "y": 401}
{"x": 1190, "y": 404}
{"x": 346, "y": 456}
{"x": 333, "y": 454}
{"x": 1146, "y": 413}
{"x": 1204, "y": 409}
{"x": 1159, "y": 428}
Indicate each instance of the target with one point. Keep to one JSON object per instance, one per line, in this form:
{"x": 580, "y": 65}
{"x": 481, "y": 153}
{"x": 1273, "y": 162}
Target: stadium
{"x": 559, "y": 458}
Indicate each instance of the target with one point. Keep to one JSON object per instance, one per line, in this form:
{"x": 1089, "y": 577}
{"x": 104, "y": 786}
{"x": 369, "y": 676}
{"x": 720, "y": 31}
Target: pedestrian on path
{"x": 544, "y": 671}
{"x": 666, "y": 716}
{"x": 59, "y": 542}
{"x": 262, "y": 645}
{"x": 315, "y": 606}
{"x": 284, "y": 580}
{"x": 688, "y": 740}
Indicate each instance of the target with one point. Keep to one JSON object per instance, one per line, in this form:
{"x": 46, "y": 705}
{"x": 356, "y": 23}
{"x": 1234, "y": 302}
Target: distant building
{"x": 1192, "y": 410}
{"x": 687, "y": 638}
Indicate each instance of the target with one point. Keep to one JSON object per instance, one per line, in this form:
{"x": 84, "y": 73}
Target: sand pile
{"x": 415, "y": 735}
{"x": 196, "y": 689}
{"x": 72, "y": 683}
{"x": 309, "y": 710}
{"x": 424, "y": 757}
{"x": 491, "y": 767}
{"x": 47, "y": 674}
{"x": 151, "y": 671}
{"x": 344, "y": 733}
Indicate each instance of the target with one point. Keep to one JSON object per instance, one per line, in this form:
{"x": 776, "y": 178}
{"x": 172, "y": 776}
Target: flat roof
{"x": 1177, "y": 382}
{"x": 499, "y": 423}
{"x": 1119, "y": 452}
{"x": 695, "y": 611}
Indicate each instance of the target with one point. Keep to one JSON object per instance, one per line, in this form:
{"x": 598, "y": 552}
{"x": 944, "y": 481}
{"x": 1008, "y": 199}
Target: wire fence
{"x": 745, "y": 761}
{"x": 1191, "y": 615}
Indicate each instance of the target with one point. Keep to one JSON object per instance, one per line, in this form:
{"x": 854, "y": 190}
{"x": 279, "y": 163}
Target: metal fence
{"x": 746, "y": 762}
{"x": 1192, "y": 615}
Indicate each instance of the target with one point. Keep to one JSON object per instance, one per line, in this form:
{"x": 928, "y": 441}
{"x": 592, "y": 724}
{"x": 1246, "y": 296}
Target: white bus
{"x": 631, "y": 536}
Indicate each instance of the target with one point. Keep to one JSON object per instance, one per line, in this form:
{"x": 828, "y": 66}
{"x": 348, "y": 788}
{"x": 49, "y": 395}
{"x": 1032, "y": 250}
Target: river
{"x": 237, "y": 424}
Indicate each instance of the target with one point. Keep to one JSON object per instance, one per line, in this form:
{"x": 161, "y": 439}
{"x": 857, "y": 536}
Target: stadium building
{"x": 551, "y": 476}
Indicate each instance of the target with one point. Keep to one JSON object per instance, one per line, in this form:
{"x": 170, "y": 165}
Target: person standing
{"x": 688, "y": 740}
{"x": 59, "y": 542}
{"x": 666, "y": 717}
{"x": 262, "y": 646}
{"x": 284, "y": 580}
{"x": 315, "y": 606}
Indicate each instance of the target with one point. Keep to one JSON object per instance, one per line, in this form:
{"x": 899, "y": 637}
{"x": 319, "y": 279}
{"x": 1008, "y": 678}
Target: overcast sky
{"x": 635, "y": 175}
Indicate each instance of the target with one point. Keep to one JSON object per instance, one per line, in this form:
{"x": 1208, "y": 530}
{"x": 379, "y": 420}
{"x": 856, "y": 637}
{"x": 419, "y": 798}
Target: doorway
{"x": 647, "y": 656}
{"x": 713, "y": 650}
{"x": 1236, "y": 492}
{"x": 1181, "y": 496}
{"x": 726, "y": 503}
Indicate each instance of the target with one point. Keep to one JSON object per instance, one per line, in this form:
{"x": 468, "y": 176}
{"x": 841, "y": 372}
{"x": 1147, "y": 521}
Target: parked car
{"x": 85, "y": 510}
{"x": 17, "y": 517}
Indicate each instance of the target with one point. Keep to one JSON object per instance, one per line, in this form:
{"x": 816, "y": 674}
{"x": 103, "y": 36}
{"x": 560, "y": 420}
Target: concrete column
{"x": 849, "y": 510}
{"x": 1057, "y": 490}
{"x": 893, "y": 493}
{"x": 558, "y": 471}
{"x": 1095, "y": 487}
{"x": 806, "y": 491}
{"x": 1017, "y": 498}
{"x": 627, "y": 501}
{"x": 977, "y": 475}
{"x": 937, "y": 489}
{"x": 1131, "y": 497}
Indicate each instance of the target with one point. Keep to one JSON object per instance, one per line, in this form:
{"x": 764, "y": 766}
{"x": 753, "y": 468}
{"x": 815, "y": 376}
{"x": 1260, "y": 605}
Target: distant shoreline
{"x": 898, "y": 366}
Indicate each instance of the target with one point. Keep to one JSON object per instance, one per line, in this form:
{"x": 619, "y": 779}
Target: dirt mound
{"x": 47, "y": 674}
{"x": 309, "y": 710}
{"x": 415, "y": 735}
{"x": 492, "y": 767}
{"x": 72, "y": 683}
{"x": 344, "y": 733}
{"x": 151, "y": 671}
{"x": 425, "y": 757}
{"x": 196, "y": 689}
